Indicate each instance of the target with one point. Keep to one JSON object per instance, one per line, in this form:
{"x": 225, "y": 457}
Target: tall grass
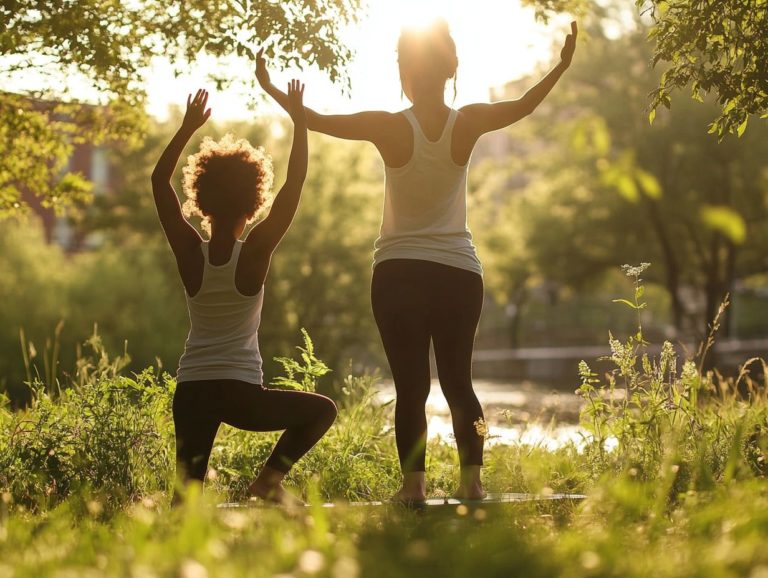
{"x": 673, "y": 465}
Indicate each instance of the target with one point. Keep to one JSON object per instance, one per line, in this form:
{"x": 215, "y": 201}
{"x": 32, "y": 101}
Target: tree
{"x": 109, "y": 46}
{"x": 604, "y": 188}
{"x": 709, "y": 46}
{"x": 715, "y": 46}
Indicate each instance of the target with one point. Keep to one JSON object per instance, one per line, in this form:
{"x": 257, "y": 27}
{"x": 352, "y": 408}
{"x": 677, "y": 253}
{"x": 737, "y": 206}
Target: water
{"x": 519, "y": 413}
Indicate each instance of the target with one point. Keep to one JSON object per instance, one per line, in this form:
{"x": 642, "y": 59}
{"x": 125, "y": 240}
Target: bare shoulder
{"x": 389, "y": 125}
{"x": 466, "y": 132}
{"x": 395, "y": 142}
{"x": 253, "y": 264}
{"x": 472, "y": 117}
{"x": 190, "y": 262}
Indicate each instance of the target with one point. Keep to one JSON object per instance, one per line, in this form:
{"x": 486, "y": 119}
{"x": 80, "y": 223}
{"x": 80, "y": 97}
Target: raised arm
{"x": 484, "y": 118}
{"x": 371, "y": 126}
{"x": 181, "y": 235}
{"x": 270, "y": 231}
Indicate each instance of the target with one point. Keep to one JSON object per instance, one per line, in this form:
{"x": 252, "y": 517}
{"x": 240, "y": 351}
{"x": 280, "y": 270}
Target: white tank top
{"x": 425, "y": 205}
{"x": 223, "y": 341}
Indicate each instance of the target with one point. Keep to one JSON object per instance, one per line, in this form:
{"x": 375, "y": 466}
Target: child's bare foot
{"x": 275, "y": 494}
{"x": 414, "y": 488}
{"x": 268, "y": 486}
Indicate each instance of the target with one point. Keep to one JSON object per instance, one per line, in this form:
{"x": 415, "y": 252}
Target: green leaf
{"x": 726, "y": 221}
{"x": 625, "y": 302}
{"x": 742, "y": 127}
{"x": 649, "y": 183}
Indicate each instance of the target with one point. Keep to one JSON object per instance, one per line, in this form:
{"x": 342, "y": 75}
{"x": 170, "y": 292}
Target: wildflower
{"x": 585, "y": 373}
{"x": 635, "y": 271}
{"x": 481, "y": 427}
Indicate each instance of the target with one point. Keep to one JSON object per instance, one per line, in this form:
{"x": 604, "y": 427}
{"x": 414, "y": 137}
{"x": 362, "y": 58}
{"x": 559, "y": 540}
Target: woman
{"x": 219, "y": 377}
{"x": 427, "y": 280}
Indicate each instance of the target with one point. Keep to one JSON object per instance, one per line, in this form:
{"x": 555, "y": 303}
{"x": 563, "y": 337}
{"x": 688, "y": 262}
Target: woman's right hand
{"x": 262, "y": 74}
{"x": 296, "y": 102}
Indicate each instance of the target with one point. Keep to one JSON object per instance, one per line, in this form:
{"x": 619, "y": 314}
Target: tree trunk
{"x": 671, "y": 266}
{"x": 519, "y": 298}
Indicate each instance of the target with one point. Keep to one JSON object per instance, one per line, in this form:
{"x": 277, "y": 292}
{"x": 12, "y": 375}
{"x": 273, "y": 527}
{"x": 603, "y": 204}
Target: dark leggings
{"x": 415, "y": 301}
{"x": 200, "y": 407}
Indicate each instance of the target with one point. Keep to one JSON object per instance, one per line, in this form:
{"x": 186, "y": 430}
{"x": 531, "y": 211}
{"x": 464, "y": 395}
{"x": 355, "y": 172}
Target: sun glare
{"x": 497, "y": 41}
{"x": 419, "y": 14}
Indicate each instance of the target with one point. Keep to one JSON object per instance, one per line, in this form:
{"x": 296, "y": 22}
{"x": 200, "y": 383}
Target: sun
{"x": 420, "y": 14}
{"x": 496, "y": 41}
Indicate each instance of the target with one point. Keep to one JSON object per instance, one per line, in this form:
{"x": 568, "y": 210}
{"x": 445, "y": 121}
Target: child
{"x": 219, "y": 377}
{"x": 427, "y": 280}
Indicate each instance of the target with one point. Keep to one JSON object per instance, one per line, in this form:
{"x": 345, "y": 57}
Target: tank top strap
{"x": 448, "y": 129}
{"x": 418, "y": 134}
{"x": 235, "y": 253}
{"x": 230, "y": 265}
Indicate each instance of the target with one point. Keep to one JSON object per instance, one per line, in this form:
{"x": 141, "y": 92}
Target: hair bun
{"x": 431, "y": 46}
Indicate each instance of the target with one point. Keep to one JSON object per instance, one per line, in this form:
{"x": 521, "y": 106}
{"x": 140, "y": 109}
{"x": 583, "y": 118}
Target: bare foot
{"x": 409, "y": 497}
{"x": 470, "y": 492}
{"x": 414, "y": 488}
{"x": 470, "y": 486}
{"x": 275, "y": 494}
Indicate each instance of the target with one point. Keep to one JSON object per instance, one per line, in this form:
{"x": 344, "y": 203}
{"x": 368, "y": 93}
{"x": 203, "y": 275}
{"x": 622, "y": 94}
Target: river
{"x": 516, "y": 413}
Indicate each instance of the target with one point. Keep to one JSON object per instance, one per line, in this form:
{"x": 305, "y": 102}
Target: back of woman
{"x": 425, "y": 209}
{"x": 220, "y": 378}
{"x": 223, "y": 341}
{"x": 427, "y": 285}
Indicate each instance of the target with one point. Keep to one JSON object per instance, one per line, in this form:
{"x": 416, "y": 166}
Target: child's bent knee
{"x": 329, "y": 411}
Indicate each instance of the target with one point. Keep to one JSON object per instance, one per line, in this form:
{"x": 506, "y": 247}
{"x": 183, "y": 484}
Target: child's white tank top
{"x": 425, "y": 205}
{"x": 223, "y": 341}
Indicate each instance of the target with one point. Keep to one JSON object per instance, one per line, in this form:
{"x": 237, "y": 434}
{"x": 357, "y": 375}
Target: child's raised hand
{"x": 566, "y": 55}
{"x": 262, "y": 74}
{"x": 296, "y": 102}
{"x": 196, "y": 114}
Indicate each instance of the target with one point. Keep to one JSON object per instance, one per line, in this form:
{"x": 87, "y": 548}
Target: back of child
{"x": 220, "y": 377}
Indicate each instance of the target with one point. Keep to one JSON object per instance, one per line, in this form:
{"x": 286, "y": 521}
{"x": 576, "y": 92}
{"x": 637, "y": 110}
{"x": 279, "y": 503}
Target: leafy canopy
{"x": 713, "y": 46}
{"x": 709, "y": 46}
{"x": 107, "y": 47}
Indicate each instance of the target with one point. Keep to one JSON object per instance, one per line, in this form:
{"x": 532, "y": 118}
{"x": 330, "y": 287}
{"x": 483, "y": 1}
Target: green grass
{"x": 86, "y": 474}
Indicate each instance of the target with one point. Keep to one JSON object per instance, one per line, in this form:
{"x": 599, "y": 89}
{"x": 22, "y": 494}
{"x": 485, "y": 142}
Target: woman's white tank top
{"x": 223, "y": 341}
{"x": 425, "y": 205}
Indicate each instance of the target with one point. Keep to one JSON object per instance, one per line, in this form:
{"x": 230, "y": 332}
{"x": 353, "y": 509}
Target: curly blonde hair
{"x": 227, "y": 179}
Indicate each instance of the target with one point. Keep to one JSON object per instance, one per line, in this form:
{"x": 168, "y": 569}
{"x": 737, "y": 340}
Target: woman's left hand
{"x": 566, "y": 54}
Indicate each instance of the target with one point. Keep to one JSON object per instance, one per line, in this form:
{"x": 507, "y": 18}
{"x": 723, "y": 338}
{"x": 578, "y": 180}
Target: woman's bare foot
{"x": 470, "y": 493}
{"x": 470, "y": 486}
{"x": 268, "y": 486}
{"x": 414, "y": 488}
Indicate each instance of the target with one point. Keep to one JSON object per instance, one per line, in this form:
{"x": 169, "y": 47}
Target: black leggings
{"x": 200, "y": 407}
{"x": 415, "y": 301}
